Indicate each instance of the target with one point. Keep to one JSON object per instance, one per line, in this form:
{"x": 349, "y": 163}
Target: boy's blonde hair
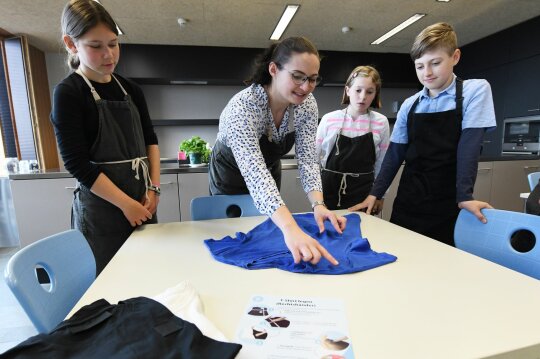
{"x": 364, "y": 71}
{"x": 440, "y": 35}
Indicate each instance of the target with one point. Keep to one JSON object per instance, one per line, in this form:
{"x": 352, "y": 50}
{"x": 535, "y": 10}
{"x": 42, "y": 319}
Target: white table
{"x": 434, "y": 302}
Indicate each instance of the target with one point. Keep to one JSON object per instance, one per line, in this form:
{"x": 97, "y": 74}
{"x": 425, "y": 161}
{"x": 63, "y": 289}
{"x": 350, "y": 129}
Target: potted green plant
{"x": 196, "y": 148}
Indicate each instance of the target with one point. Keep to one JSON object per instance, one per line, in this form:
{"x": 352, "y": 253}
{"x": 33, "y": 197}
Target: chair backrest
{"x": 533, "y": 178}
{"x": 223, "y": 206}
{"x": 508, "y": 238}
{"x": 70, "y": 265}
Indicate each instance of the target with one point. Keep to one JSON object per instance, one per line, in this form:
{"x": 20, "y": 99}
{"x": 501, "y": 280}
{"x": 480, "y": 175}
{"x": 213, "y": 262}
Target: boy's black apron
{"x": 223, "y": 171}
{"x": 426, "y": 198}
{"x": 120, "y": 152}
{"x": 348, "y": 175}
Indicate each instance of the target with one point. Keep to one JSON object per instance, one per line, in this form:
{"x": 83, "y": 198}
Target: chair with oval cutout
{"x": 223, "y": 206}
{"x": 69, "y": 263}
{"x": 508, "y": 238}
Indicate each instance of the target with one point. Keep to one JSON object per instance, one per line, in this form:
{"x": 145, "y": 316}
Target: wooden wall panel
{"x": 40, "y": 102}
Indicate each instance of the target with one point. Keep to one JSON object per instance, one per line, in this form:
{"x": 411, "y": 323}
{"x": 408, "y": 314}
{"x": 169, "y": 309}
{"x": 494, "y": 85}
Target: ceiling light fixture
{"x": 182, "y": 22}
{"x": 442, "y": 0}
{"x": 398, "y": 28}
{"x": 120, "y": 32}
{"x": 286, "y": 18}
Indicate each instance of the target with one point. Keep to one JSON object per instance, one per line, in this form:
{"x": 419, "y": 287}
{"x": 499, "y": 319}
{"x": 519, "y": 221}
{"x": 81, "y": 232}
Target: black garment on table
{"x": 426, "y": 198}
{"x": 279, "y": 322}
{"x": 134, "y": 328}
{"x": 532, "y": 206}
{"x": 354, "y": 158}
{"x": 120, "y": 138}
{"x": 258, "y": 311}
{"x": 224, "y": 174}
{"x": 259, "y": 334}
{"x": 75, "y": 118}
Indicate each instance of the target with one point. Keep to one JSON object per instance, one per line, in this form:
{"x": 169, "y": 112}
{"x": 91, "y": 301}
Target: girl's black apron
{"x": 223, "y": 171}
{"x": 120, "y": 152}
{"x": 348, "y": 175}
{"x": 426, "y": 198}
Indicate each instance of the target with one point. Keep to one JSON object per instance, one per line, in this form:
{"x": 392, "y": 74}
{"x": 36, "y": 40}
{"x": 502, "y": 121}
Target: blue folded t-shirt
{"x": 264, "y": 247}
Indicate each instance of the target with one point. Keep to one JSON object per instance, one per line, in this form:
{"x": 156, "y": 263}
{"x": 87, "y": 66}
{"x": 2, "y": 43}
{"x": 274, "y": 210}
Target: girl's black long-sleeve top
{"x": 75, "y": 119}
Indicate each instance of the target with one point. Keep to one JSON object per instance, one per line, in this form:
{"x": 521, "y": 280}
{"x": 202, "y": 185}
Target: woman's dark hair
{"x": 278, "y": 53}
{"x": 78, "y": 17}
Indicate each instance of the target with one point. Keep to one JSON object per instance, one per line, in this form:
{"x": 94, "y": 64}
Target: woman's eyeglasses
{"x": 300, "y": 78}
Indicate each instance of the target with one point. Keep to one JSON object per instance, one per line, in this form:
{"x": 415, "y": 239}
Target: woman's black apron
{"x": 348, "y": 175}
{"x": 120, "y": 152}
{"x": 224, "y": 174}
{"x": 426, "y": 198}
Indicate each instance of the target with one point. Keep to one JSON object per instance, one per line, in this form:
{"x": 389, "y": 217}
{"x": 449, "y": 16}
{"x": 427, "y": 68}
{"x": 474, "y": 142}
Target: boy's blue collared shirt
{"x": 478, "y": 111}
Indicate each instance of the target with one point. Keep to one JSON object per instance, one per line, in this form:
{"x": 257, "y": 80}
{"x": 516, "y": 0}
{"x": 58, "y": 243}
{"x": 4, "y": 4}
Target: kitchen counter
{"x": 509, "y": 158}
{"x": 169, "y": 166}
{"x": 166, "y": 168}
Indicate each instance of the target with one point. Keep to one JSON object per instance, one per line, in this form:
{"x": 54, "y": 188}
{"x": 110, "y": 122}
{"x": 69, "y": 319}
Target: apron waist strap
{"x": 352, "y": 174}
{"x": 137, "y": 164}
{"x": 343, "y": 184}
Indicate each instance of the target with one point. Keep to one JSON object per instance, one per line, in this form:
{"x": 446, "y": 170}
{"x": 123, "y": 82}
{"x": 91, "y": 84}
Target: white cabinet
{"x": 169, "y": 203}
{"x": 191, "y": 185}
{"x": 509, "y": 180}
{"x": 482, "y": 186}
{"x": 292, "y": 192}
{"x": 390, "y": 196}
{"x": 42, "y": 207}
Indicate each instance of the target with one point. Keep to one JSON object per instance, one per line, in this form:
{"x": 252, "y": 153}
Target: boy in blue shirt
{"x": 438, "y": 132}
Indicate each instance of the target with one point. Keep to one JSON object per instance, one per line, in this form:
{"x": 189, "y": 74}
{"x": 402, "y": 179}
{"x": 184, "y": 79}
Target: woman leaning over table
{"x": 104, "y": 133}
{"x": 261, "y": 124}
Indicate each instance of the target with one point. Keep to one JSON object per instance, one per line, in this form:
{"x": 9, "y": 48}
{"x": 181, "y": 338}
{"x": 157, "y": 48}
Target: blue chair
{"x": 533, "y": 178}
{"x": 69, "y": 262}
{"x": 509, "y": 239}
{"x": 223, "y": 206}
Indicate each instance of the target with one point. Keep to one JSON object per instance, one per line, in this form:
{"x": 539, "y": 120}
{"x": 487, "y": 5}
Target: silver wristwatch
{"x": 155, "y": 189}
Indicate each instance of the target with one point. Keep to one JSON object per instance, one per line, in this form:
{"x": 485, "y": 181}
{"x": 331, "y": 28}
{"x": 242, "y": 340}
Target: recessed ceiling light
{"x": 398, "y": 28}
{"x": 442, "y": 0}
{"x": 286, "y": 18}
{"x": 182, "y": 22}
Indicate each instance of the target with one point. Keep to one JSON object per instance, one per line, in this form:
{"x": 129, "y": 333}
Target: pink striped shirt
{"x": 336, "y": 121}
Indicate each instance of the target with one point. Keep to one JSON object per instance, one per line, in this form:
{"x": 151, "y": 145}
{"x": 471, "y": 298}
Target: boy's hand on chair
{"x": 475, "y": 208}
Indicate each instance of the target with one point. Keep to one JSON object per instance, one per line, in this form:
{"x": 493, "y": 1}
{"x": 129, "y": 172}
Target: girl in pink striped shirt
{"x": 352, "y": 142}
